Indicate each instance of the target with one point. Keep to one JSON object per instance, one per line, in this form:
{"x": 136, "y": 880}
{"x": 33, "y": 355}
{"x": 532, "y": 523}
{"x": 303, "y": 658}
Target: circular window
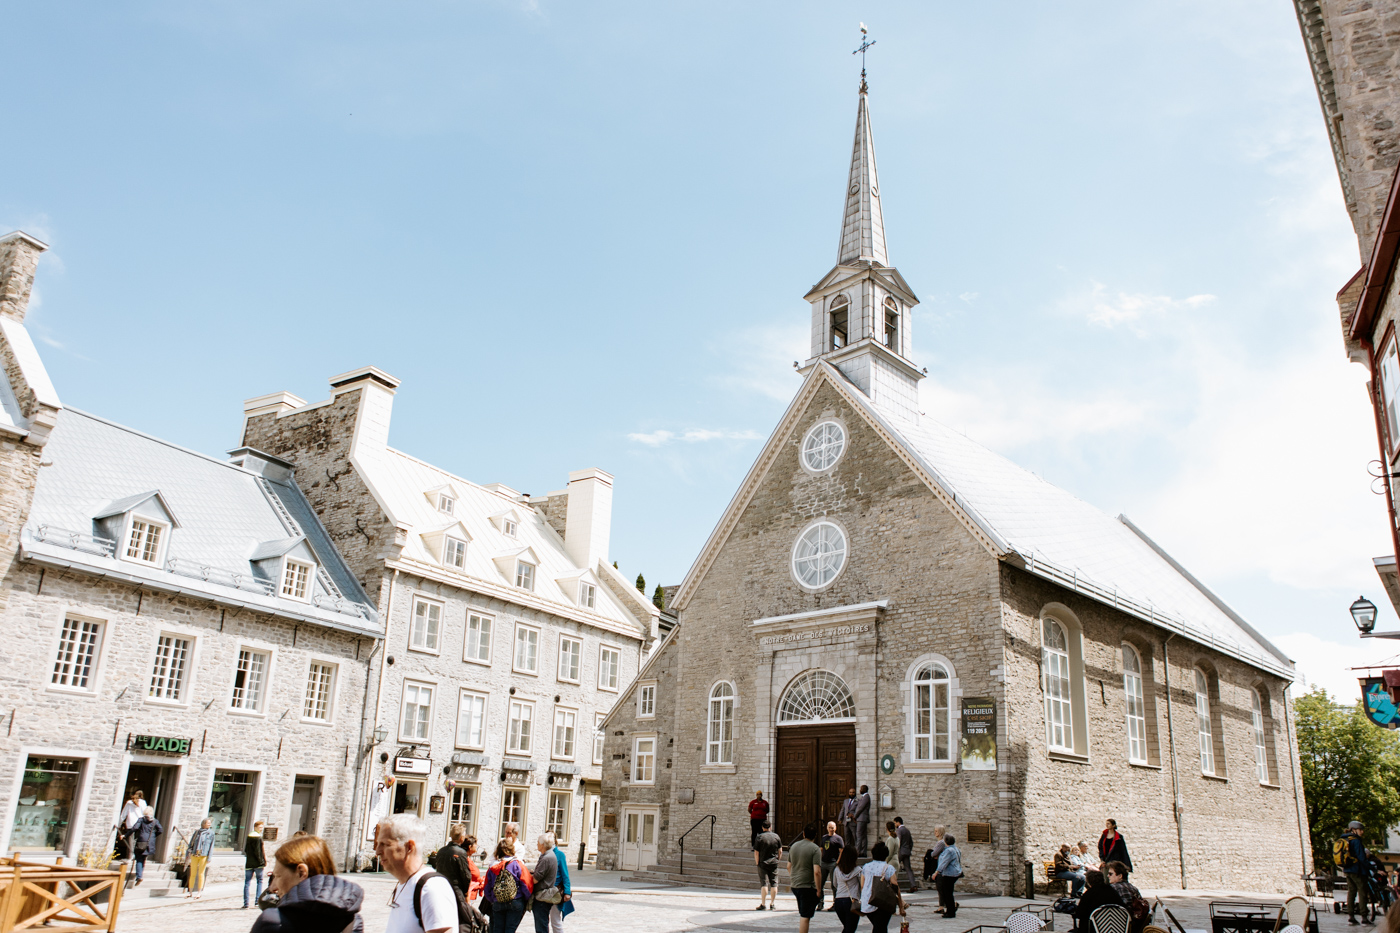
{"x": 819, "y": 555}
{"x": 823, "y": 445}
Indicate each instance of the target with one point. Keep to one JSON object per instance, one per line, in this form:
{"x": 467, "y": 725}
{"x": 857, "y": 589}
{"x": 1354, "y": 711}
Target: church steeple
{"x": 862, "y": 308}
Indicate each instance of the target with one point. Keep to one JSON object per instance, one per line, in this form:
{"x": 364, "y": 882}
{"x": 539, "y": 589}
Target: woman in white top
{"x": 847, "y": 879}
{"x": 877, "y": 867}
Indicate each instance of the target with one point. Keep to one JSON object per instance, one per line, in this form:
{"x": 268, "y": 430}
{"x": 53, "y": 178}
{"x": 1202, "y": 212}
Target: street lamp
{"x": 381, "y": 732}
{"x": 1363, "y": 613}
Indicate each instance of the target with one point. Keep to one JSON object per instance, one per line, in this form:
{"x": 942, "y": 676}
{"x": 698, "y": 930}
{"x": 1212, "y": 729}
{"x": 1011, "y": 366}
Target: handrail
{"x": 681, "y": 841}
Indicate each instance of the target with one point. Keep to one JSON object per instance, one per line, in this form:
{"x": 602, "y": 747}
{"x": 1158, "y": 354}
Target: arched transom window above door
{"x": 816, "y": 696}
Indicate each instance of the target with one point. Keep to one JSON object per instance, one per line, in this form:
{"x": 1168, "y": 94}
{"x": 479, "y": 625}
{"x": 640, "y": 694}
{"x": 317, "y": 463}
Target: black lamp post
{"x": 1363, "y": 613}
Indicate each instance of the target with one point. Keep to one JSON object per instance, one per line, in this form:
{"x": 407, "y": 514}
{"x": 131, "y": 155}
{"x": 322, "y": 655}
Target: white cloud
{"x": 692, "y": 436}
{"x": 1107, "y": 309}
{"x": 1328, "y": 664}
{"x": 761, "y": 358}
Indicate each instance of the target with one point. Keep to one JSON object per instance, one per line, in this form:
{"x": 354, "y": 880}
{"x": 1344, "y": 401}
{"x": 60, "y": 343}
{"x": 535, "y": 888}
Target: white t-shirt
{"x": 869, "y": 872}
{"x": 132, "y": 813}
{"x": 438, "y": 902}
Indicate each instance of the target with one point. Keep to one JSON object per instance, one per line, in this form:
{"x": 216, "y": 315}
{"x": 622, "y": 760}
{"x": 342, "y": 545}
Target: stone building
{"x": 175, "y": 623}
{"x": 885, "y": 602}
{"x": 509, "y": 634}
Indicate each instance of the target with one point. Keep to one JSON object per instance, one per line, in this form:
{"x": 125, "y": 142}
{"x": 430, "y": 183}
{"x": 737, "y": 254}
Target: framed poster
{"x": 979, "y": 734}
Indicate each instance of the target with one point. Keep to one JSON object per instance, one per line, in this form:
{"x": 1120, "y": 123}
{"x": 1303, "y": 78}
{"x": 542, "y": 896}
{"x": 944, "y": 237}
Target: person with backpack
{"x": 509, "y": 887}
{"x": 1349, "y": 852}
{"x": 879, "y": 889}
{"x": 1116, "y": 873}
{"x": 313, "y": 898}
{"x": 422, "y": 901}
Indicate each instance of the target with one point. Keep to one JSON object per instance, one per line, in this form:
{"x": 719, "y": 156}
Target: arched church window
{"x": 892, "y": 324}
{"x": 1059, "y": 715}
{"x": 839, "y": 321}
{"x": 931, "y": 714}
{"x": 720, "y": 734}
{"x": 1136, "y": 708}
{"x": 822, "y": 446}
{"x": 819, "y": 555}
{"x": 1203, "y": 722}
{"x": 816, "y": 696}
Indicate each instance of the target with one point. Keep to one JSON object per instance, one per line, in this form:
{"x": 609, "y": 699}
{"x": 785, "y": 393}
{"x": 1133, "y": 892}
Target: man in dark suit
{"x": 861, "y": 815}
{"x": 847, "y": 819}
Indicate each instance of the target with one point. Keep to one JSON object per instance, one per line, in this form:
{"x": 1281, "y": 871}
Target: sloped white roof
{"x": 400, "y": 481}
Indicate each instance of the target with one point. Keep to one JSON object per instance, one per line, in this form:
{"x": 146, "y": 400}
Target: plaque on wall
{"x": 979, "y": 833}
{"x": 610, "y": 821}
{"x": 436, "y": 802}
{"x": 979, "y": 734}
{"x": 269, "y": 833}
{"x": 685, "y": 795}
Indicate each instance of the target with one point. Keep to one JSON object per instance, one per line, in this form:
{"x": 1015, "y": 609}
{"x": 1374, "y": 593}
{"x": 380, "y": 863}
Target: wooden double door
{"x": 816, "y": 767}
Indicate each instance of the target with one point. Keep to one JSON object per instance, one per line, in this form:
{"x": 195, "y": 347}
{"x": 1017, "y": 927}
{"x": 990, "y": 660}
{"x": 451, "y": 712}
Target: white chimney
{"x": 376, "y": 407}
{"x": 588, "y": 521}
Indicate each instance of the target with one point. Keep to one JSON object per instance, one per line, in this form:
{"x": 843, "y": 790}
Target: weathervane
{"x": 865, "y": 43}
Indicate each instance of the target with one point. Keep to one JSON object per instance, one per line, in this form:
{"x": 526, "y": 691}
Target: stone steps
{"x": 723, "y": 869}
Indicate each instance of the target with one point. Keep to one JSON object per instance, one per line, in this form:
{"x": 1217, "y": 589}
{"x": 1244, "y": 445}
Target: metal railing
{"x": 77, "y": 540}
{"x": 211, "y": 574}
{"x": 681, "y": 841}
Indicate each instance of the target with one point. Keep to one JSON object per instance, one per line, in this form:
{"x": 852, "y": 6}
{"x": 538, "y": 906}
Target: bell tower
{"x": 862, "y": 308}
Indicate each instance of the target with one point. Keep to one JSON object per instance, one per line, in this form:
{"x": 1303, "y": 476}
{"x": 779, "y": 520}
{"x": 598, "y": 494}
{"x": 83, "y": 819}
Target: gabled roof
{"x": 129, "y": 503}
{"x": 277, "y": 547}
{"x": 1020, "y": 518}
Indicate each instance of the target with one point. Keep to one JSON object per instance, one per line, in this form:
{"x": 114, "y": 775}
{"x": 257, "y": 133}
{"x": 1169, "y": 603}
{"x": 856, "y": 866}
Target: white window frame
{"x": 520, "y": 723}
{"x": 1205, "y": 721}
{"x": 719, "y": 721}
{"x": 162, "y": 539}
{"x": 334, "y": 685}
{"x": 1057, "y": 685}
{"x": 571, "y": 648}
{"x": 559, "y": 828}
{"x": 803, "y": 555}
{"x": 82, "y": 654}
{"x": 533, "y": 657}
{"x": 930, "y": 684}
{"x": 564, "y": 739}
{"x": 289, "y": 567}
{"x": 483, "y": 633}
{"x": 1389, "y": 385}
{"x": 598, "y": 737}
{"x": 182, "y": 697}
{"x": 454, "y": 552}
{"x": 1134, "y": 705}
{"x": 646, "y": 700}
{"x": 447, "y": 503}
{"x": 644, "y": 762}
{"x": 1261, "y": 744}
{"x": 431, "y": 640}
{"x": 524, "y": 807}
{"x": 587, "y": 595}
{"x": 453, "y": 809}
{"x": 427, "y": 723}
{"x": 509, "y": 527}
{"x": 609, "y": 675}
{"x": 485, "y": 700}
{"x": 812, "y": 445}
{"x": 259, "y": 706}
{"x": 525, "y": 573}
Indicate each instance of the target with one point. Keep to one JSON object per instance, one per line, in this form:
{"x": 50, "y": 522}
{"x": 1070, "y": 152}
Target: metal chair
{"x": 1155, "y": 929}
{"x": 1294, "y": 912}
{"x": 1110, "y": 918}
{"x": 1022, "y": 922}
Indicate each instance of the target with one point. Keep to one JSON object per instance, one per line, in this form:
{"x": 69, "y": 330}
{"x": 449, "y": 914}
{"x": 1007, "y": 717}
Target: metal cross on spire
{"x": 865, "y": 43}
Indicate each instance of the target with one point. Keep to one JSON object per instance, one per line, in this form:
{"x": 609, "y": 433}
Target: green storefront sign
{"x": 160, "y": 744}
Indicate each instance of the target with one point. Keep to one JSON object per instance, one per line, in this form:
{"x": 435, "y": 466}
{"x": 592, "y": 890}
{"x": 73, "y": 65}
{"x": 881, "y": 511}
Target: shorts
{"x": 806, "y": 901}
{"x": 768, "y": 875}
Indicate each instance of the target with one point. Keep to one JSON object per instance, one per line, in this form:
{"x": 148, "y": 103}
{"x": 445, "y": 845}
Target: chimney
{"x": 376, "y": 406}
{"x": 588, "y": 521}
{"x": 19, "y": 255}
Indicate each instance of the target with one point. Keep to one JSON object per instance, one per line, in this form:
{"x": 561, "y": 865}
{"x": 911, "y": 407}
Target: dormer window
{"x": 144, "y": 540}
{"x": 587, "y": 595}
{"x": 525, "y": 575}
{"x": 840, "y": 305}
{"x": 446, "y": 504}
{"x": 296, "y": 579}
{"x": 454, "y": 552}
{"x": 508, "y": 527}
{"x": 892, "y": 324}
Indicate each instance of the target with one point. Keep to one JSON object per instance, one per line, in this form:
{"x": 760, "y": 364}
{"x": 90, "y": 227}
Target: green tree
{"x": 641, "y": 583}
{"x": 658, "y": 597}
{"x": 1351, "y": 771}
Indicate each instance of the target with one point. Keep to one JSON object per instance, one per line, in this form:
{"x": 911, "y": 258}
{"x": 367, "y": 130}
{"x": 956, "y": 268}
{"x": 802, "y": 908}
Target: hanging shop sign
{"x": 158, "y": 744}
{"x": 406, "y": 765}
{"x": 1380, "y": 703}
{"x": 979, "y": 734}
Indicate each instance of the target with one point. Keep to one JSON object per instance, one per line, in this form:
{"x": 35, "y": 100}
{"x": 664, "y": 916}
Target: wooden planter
{"x": 57, "y": 897}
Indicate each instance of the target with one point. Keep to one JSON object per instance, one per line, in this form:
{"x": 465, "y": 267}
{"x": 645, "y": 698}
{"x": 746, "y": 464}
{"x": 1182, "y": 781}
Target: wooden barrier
{"x": 58, "y": 897}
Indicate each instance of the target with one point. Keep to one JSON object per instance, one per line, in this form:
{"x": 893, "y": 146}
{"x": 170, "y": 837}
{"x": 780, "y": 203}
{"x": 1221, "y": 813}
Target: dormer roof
{"x": 132, "y": 503}
{"x": 277, "y": 547}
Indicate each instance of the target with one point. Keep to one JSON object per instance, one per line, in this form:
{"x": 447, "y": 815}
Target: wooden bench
{"x": 1054, "y": 885}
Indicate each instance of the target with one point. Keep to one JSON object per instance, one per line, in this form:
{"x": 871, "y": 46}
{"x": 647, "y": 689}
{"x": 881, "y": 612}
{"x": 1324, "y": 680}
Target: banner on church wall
{"x": 979, "y": 734}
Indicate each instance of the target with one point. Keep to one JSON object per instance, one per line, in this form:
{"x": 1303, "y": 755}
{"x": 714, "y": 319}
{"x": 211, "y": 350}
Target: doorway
{"x": 408, "y": 797}
{"x": 157, "y": 783}
{"x": 638, "y": 838}
{"x": 816, "y": 766}
{"x": 592, "y": 807}
{"x": 306, "y": 804}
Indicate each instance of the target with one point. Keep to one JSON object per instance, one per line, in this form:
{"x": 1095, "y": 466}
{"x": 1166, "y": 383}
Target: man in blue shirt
{"x": 1355, "y": 869}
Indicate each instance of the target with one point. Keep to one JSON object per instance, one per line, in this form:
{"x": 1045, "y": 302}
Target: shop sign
{"x": 406, "y": 765}
{"x": 1380, "y": 704}
{"x": 160, "y": 744}
{"x": 979, "y": 734}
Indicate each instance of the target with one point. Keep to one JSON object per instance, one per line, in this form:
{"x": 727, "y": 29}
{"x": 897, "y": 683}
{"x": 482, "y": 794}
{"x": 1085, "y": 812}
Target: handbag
{"x": 883, "y": 895}
{"x": 550, "y": 895}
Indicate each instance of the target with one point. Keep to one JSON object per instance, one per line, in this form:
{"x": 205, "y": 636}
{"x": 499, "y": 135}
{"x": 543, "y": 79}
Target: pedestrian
{"x": 253, "y": 861}
{"x": 566, "y": 906}
{"x": 862, "y": 818}
{"x": 847, "y": 880}
{"x": 1097, "y": 893}
{"x": 312, "y": 897}
{"x": 546, "y": 874}
{"x": 906, "y": 852}
{"x": 878, "y": 867}
{"x": 143, "y": 840}
{"x": 847, "y": 815}
{"x": 767, "y": 849}
{"x": 832, "y": 846}
{"x": 891, "y": 845}
{"x": 453, "y": 862}
{"x": 200, "y": 847}
{"x": 947, "y": 875}
{"x": 1112, "y": 846}
{"x": 132, "y": 811}
{"x": 509, "y": 886}
{"x": 419, "y": 904}
{"x": 804, "y": 875}
{"x": 1065, "y": 870}
{"x": 511, "y": 833}
{"x": 758, "y": 812}
{"x": 1116, "y": 874}
{"x": 1353, "y": 866}
{"x": 931, "y": 856}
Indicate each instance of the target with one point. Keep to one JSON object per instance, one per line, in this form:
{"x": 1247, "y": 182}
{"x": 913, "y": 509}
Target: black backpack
{"x": 469, "y": 919}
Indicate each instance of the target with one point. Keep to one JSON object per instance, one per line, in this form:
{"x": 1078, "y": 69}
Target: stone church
{"x": 886, "y": 602}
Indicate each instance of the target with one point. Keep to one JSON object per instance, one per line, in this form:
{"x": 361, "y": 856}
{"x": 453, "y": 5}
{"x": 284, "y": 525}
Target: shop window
{"x": 48, "y": 794}
{"x": 556, "y": 818}
{"x": 514, "y": 801}
{"x": 230, "y": 803}
{"x": 462, "y": 808}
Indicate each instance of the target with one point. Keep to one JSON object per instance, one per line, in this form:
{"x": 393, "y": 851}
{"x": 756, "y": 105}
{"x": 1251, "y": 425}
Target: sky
{"x": 580, "y": 233}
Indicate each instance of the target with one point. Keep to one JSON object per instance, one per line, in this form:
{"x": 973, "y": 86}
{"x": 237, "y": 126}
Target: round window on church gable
{"x": 819, "y": 555}
{"x": 823, "y": 446}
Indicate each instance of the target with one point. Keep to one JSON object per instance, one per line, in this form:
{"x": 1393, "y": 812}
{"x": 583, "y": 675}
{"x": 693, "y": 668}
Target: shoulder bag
{"x": 883, "y": 894}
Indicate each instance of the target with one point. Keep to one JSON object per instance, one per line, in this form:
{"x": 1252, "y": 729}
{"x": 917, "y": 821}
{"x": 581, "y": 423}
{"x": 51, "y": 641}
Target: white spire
{"x": 863, "y": 224}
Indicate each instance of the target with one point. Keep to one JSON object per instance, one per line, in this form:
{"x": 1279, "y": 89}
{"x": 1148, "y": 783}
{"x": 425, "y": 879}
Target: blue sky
{"x": 580, "y": 234}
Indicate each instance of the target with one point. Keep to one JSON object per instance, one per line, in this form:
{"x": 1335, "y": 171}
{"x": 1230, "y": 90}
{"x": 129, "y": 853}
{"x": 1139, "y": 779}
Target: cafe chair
{"x": 1110, "y": 918}
{"x": 1022, "y": 922}
{"x": 1292, "y": 928}
{"x": 1155, "y": 929}
{"x": 1294, "y": 912}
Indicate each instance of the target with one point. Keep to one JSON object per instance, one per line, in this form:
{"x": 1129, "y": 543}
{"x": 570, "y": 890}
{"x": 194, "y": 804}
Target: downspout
{"x": 878, "y": 770}
{"x": 1176, "y": 780}
{"x": 378, "y": 690}
{"x": 360, "y": 755}
{"x": 1297, "y": 792}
